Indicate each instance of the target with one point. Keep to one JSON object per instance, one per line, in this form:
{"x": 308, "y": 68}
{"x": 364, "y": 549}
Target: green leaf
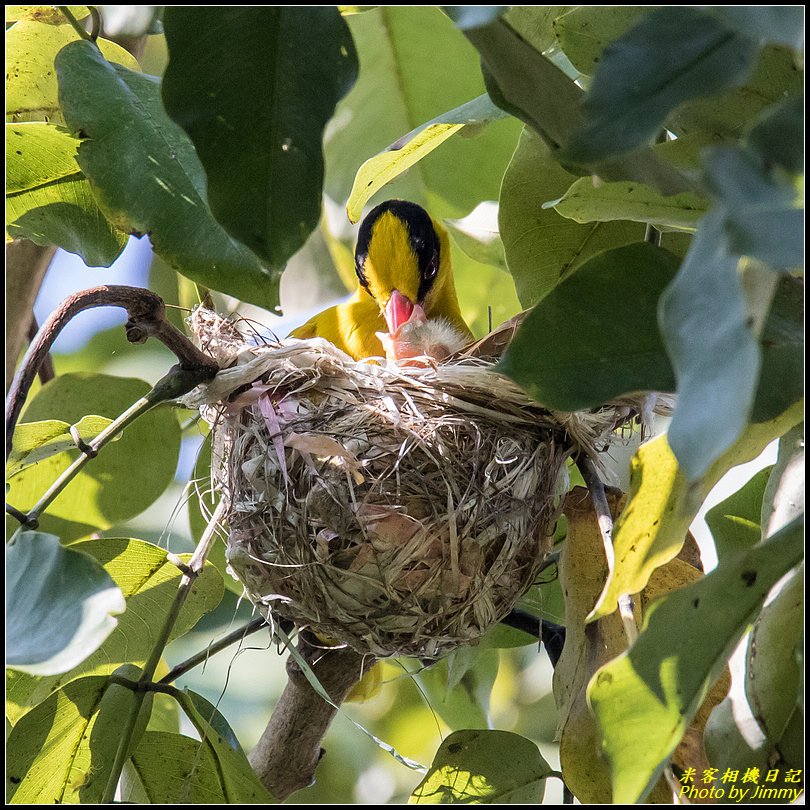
{"x": 264, "y": 171}
{"x": 466, "y": 17}
{"x": 778, "y": 137}
{"x": 645, "y": 699}
{"x": 606, "y": 202}
{"x": 37, "y": 154}
{"x": 458, "y": 687}
{"x": 549, "y": 103}
{"x": 585, "y": 31}
{"x": 542, "y": 247}
{"x": 763, "y": 215}
{"x": 772, "y": 675}
{"x": 411, "y": 47}
{"x": 63, "y": 750}
{"x": 49, "y": 201}
{"x": 50, "y": 15}
{"x": 783, "y": 25}
{"x": 146, "y": 176}
{"x": 31, "y": 88}
{"x": 612, "y": 295}
{"x": 214, "y": 718}
{"x": 715, "y": 355}
{"x": 127, "y": 476}
{"x": 238, "y": 781}
{"x": 170, "y": 768}
{"x": 781, "y": 381}
{"x": 783, "y": 499}
{"x": 60, "y": 605}
{"x": 536, "y": 24}
{"x": 35, "y": 441}
{"x": 735, "y": 523}
{"x": 408, "y": 150}
{"x": 721, "y": 118}
{"x": 669, "y": 56}
{"x": 148, "y": 581}
{"x": 165, "y": 714}
{"x": 484, "y": 767}
{"x": 662, "y": 505}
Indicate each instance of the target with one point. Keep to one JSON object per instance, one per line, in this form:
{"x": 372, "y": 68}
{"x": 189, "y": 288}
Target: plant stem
{"x": 203, "y": 655}
{"x": 106, "y": 436}
{"x": 195, "y": 565}
{"x": 147, "y": 318}
{"x": 77, "y": 27}
{"x": 96, "y": 18}
{"x": 596, "y": 488}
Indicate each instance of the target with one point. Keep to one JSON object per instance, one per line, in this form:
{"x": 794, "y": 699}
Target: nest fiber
{"x": 396, "y": 510}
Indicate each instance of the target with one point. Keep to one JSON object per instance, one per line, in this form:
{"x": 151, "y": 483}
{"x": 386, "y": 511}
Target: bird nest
{"x": 396, "y": 510}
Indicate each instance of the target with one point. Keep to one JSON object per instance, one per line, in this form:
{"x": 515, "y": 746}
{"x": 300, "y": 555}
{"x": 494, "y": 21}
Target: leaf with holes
{"x": 484, "y": 767}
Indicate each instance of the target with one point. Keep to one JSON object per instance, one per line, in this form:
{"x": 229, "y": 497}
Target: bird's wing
{"x": 352, "y": 327}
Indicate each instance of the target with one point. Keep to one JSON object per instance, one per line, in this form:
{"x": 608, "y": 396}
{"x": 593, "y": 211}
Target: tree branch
{"x": 147, "y": 318}
{"x": 46, "y": 371}
{"x": 288, "y": 752}
{"x": 26, "y": 265}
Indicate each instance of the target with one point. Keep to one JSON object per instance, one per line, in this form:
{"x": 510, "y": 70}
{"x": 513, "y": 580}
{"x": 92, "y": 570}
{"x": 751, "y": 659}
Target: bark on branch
{"x": 26, "y": 265}
{"x": 288, "y": 752}
{"x": 147, "y": 318}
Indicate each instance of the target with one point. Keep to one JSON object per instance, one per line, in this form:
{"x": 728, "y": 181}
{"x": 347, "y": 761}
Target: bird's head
{"x": 402, "y": 260}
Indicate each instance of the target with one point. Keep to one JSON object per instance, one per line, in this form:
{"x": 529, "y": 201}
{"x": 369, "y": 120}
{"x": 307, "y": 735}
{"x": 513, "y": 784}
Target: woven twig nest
{"x": 399, "y": 511}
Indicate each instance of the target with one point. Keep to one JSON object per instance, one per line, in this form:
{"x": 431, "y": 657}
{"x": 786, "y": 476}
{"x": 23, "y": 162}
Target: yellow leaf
{"x": 662, "y": 505}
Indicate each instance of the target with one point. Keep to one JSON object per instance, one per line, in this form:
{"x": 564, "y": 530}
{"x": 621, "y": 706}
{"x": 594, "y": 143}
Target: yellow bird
{"x": 404, "y": 275}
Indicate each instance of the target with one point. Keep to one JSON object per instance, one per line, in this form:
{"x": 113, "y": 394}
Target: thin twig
{"x": 596, "y": 488}
{"x": 77, "y": 27}
{"x": 195, "y": 565}
{"x": 31, "y": 518}
{"x": 203, "y": 655}
{"x": 96, "y": 20}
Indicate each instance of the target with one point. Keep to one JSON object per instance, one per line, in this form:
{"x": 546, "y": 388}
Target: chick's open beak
{"x": 398, "y": 311}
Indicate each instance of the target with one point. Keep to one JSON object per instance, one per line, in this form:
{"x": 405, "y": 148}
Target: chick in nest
{"x": 419, "y": 336}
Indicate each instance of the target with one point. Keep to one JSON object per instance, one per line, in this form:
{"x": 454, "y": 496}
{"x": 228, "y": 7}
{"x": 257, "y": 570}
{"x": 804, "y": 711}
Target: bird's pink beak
{"x": 398, "y": 311}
